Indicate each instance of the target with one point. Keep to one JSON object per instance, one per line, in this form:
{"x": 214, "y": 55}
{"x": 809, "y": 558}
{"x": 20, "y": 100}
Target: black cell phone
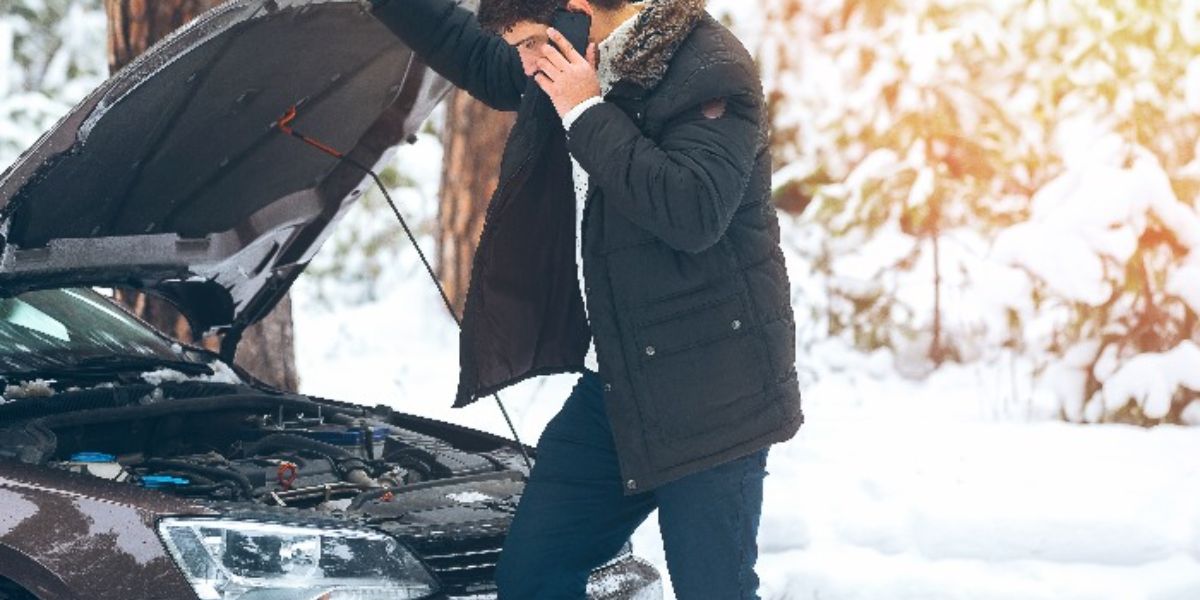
{"x": 575, "y": 26}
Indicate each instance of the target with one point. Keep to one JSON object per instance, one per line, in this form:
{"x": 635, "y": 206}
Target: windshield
{"x": 54, "y": 329}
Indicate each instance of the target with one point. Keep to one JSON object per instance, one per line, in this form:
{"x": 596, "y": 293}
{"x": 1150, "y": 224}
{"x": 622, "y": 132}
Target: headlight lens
{"x": 246, "y": 560}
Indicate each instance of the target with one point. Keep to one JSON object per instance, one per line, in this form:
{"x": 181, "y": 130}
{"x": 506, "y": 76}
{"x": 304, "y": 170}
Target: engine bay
{"x": 228, "y": 443}
{"x": 253, "y": 455}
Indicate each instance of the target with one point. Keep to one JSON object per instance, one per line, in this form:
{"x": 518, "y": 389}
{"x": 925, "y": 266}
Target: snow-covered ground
{"x": 892, "y": 490}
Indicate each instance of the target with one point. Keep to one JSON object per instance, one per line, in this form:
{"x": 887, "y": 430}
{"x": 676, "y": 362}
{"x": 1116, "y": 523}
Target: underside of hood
{"x": 175, "y": 178}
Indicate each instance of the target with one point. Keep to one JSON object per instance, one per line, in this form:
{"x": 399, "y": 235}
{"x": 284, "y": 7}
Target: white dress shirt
{"x": 609, "y": 49}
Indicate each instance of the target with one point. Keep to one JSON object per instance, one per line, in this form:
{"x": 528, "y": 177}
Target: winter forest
{"x": 991, "y": 216}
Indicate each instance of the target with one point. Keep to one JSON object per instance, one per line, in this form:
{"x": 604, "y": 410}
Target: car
{"x": 134, "y": 466}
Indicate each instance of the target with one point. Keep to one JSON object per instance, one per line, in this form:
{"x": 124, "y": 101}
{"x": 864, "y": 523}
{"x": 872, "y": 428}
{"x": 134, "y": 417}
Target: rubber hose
{"x": 215, "y": 472}
{"x": 353, "y": 468}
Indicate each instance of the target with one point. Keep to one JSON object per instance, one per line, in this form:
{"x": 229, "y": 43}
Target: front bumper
{"x": 628, "y": 578}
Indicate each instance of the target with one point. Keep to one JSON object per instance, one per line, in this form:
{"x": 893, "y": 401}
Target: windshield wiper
{"x": 110, "y": 364}
{"x": 126, "y": 363}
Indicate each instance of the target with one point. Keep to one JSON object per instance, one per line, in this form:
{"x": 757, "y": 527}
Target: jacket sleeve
{"x": 684, "y": 188}
{"x": 449, "y": 39}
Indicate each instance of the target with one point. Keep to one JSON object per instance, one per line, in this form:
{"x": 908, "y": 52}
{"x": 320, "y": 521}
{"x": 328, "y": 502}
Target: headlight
{"x": 245, "y": 560}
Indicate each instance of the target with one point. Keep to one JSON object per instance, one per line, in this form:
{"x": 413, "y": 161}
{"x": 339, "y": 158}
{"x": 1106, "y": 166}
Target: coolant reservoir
{"x": 96, "y": 464}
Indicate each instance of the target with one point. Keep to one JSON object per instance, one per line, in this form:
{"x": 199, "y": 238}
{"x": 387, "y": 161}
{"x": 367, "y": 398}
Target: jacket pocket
{"x": 691, "y": 327}
{"x": 701, "y": 368}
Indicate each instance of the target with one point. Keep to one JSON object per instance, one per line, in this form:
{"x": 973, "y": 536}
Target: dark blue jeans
{"x": 574, "y": 515}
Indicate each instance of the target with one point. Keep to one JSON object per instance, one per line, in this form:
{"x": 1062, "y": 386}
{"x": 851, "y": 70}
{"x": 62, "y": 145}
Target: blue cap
{"x": 92, "y": 457}
{"x": 161, "y": 481}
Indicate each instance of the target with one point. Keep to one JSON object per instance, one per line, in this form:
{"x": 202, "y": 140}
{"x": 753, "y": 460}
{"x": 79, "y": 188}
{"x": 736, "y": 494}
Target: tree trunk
{"x": 260, "y": 348}
{"x": 473, "y": 140}
{"x": 266, "y": 349}
{"x": 134, "y": 25}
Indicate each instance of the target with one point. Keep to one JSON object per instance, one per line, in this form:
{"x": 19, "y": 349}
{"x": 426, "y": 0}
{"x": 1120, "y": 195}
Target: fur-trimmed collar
{"x": 653, "y": 39}
{"x": 610, "y": 50}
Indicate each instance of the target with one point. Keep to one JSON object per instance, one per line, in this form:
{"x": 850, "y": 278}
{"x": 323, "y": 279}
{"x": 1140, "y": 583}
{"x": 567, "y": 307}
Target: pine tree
{"x": 947, "y": 147}
{"x": 48, "y": 62}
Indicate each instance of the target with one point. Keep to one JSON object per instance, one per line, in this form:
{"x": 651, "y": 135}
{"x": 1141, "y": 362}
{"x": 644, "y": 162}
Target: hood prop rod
{"x": 285, "y": 125}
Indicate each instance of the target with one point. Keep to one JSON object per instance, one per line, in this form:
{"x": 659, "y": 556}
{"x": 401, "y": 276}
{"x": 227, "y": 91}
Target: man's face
{"x": 528, "y": 38}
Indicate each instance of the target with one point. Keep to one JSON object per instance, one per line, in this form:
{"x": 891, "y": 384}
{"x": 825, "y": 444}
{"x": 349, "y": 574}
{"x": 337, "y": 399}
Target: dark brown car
{"x": 134, "y": 467}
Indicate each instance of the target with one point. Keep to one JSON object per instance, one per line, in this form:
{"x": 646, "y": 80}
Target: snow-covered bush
{"x": 52, "y": 53}
{"x": 999, "y": 178}
{"x": 1110, "y": 247}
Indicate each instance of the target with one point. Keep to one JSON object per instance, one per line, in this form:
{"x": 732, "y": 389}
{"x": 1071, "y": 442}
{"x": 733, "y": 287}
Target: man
{"x": 647, "y": 157}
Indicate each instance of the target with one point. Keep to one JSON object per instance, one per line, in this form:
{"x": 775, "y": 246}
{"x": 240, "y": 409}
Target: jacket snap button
{"x": 736, "y": 324}
{"x": 608, "y": 387}
{"x": 649, "y": 350}
{"x": 631, "y": 484}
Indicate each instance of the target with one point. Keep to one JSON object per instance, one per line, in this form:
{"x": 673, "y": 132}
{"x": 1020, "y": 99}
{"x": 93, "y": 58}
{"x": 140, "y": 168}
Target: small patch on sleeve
{"x": 713, "y": 109}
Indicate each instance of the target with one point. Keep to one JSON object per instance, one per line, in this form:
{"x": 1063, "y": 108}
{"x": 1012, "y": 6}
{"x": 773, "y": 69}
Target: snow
{"x": 1183, "y": 282}
{"x": 1191, "y": 414}
{"x": 222, "y": 373}
{"x": 17, "y": 509}
{"x": 1151, "y": 380}
{"x": 6, "y": 56}
{"x": 48, "y": 62}
{"x": 38, "y": 388}
{"x": 1087, "y": 222}
{"x": 469, "y": 497}
{"x": 1192, "y": 85}
{"x": 108, "y": 528}
{"x": 610, "y": 583}
{"x": 982, "y": 510}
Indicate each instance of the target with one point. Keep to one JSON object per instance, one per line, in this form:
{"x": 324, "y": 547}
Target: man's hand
{"x": 566, "y": 77}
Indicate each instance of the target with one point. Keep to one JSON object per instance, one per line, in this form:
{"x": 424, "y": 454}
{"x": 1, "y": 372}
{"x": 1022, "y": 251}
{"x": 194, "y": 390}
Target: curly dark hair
{"x": 500, "y": 15}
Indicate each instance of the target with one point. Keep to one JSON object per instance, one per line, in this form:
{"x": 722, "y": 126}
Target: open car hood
{"x": 174, "y": 177}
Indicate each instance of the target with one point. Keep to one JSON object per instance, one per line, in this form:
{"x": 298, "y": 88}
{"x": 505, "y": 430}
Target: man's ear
{"x": 581, "y": 6}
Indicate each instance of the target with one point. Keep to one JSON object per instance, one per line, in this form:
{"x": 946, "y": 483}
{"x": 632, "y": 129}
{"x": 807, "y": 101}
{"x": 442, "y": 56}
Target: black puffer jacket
{"x": 687, "y": 291}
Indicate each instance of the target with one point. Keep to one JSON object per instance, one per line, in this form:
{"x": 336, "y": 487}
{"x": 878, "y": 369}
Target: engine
{"x": 285, "y": 451}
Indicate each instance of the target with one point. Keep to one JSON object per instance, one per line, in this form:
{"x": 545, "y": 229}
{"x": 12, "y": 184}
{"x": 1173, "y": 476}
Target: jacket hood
{"x": 175, "y": 177}
{"x": 657, "y": 33}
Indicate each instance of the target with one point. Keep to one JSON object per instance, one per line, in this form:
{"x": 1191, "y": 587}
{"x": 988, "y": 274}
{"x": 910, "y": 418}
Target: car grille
{"x": 465, "y": 566}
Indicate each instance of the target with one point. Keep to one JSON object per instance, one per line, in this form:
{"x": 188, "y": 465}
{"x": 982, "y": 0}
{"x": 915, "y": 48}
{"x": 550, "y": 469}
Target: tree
{"x": 992, "y": 180}
{"x": 266, "y": 349}
{"x": 884, "y": 113}
{"x": 473, "y": 140}
{"x": 48, "y": 62}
